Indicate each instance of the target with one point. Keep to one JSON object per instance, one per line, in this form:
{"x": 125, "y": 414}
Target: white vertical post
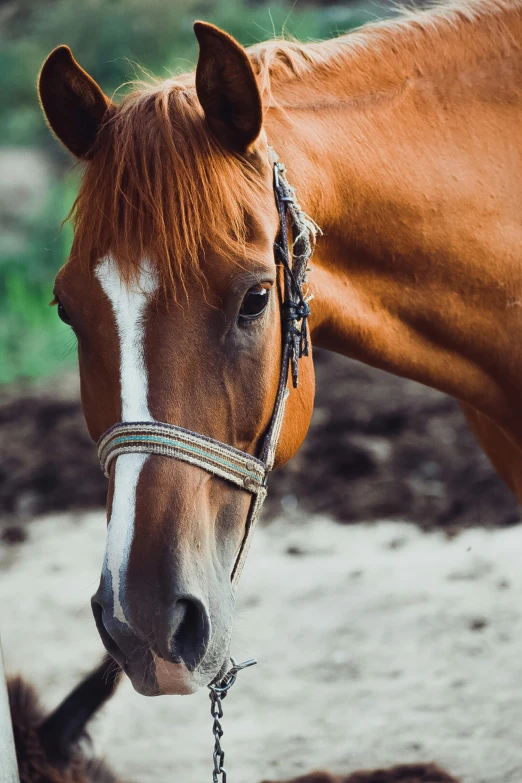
{"x": 8, "y": 763}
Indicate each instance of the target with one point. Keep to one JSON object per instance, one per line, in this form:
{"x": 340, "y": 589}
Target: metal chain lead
{"x": 218, "y": 691}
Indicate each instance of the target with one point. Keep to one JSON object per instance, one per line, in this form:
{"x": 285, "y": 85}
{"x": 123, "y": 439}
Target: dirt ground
{"x": 376, "y": 644}
{"x": 379, "y": 447}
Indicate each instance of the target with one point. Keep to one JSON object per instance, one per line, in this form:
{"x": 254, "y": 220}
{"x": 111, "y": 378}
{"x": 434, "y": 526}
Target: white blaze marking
{"x": 128, "y": 305}
{"x": 120, "y": 531}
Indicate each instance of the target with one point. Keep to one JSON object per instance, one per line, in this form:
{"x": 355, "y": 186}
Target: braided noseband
{"x": 238, "y": 467}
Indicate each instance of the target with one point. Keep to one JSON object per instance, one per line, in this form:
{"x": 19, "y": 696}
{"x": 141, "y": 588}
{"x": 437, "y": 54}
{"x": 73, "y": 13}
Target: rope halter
{"x": 238, "y": 467}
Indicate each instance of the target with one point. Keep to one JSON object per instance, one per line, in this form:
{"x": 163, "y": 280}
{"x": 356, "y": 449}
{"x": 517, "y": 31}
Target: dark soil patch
{"x": 47, "y": 460}
{"x": 378, "y": 447}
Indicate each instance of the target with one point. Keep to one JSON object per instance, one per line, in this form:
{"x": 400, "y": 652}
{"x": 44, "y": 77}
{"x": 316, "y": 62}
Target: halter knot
{"x": 295, "y": 308}
{"x": 292, "y": 313}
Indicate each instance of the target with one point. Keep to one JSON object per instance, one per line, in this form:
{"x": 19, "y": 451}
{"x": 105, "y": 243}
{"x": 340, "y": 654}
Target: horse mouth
{"x": 175, "y": 678}
{"x": 155, "y": 676}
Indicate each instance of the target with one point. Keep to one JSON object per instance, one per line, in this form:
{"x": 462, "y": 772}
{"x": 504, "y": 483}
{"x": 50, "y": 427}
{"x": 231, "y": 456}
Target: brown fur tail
{"x": 403, "y": 773}
{"x": 65, "y": 726}
{"x": 47, "y": 746}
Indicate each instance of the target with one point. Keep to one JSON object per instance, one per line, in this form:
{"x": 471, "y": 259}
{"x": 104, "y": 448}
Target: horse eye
{"x": 62, "y": 314}
{"x": 254, "y": 303}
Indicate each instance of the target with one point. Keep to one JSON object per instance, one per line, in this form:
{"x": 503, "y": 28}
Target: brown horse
{"x": 403, "y": 142}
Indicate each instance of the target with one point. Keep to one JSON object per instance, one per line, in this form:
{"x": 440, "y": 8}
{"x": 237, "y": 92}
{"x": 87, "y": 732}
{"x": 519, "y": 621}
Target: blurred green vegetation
{"x": 111, "y": 39}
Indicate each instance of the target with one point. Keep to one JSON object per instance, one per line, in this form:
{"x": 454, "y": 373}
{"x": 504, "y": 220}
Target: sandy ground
{"x": 376, "y": 644}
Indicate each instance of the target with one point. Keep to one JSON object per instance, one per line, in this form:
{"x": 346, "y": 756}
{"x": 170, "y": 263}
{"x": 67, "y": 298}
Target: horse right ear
{"x": 72, "y": 102}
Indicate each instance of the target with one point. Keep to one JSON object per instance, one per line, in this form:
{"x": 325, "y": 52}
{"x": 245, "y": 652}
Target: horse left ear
{"x": 227, "y": 88}
{"x": 72, "y": 102}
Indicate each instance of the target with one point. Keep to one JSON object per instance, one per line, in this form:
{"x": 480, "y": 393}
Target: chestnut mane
{"x": 161, "y": 186}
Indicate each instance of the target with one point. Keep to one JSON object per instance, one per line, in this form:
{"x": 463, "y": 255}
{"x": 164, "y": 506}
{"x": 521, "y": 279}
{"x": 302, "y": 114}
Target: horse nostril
{"x": 108, "y": 642}
{"x": 190, "y": 632}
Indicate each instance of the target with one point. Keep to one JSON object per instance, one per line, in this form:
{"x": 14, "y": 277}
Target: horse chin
{"x": 175, "y": 679}
{"x": 164, "y": 678}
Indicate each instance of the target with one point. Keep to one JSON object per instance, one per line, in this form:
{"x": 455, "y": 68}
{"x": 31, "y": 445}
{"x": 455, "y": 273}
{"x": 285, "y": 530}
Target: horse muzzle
{"x": 163, "y": 649}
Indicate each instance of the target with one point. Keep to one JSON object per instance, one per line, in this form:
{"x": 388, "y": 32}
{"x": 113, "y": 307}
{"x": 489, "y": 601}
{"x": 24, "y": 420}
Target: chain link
{"x": 218, "y": 692}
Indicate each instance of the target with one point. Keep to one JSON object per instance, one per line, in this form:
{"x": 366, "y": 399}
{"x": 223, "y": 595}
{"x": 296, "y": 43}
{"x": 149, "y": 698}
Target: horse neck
{"x": 419, "y": 193}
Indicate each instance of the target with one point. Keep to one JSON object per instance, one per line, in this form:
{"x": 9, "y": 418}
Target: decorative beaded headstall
{"x": 238, "y": 467}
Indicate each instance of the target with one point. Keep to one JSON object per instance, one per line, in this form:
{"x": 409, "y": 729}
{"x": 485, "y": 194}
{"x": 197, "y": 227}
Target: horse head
{"x": 174, "y": 294}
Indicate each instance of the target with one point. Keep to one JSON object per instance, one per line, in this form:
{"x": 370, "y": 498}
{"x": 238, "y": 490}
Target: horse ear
{"x": 227, "y": 88}
{"x": 72, "y": 102}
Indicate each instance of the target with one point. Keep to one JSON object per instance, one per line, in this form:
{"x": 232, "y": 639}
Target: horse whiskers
{"x": 113, "y": 670}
